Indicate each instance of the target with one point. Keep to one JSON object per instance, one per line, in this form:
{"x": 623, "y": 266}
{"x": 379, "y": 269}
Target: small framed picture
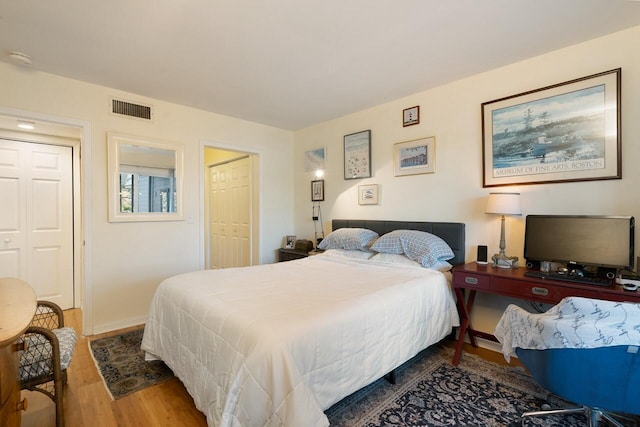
{"x": 314, "y": 159}
{"x": 317, "y": 190}
{"x": 290, "y": 242}
{"x": 411, "y": 116}
{"x": 368, "y": 194}
{"x": 414, "y": 157}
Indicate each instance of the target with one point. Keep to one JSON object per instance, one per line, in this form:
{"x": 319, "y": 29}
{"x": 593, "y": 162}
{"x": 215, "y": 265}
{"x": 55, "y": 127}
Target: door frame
{"x": 82, "y": 241}
{"x": 256, "y": 170}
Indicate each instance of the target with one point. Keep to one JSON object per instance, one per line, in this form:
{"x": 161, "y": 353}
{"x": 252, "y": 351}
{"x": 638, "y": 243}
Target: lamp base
{"x": 504, "y": 261}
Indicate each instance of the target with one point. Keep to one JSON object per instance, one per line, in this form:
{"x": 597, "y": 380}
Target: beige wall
{"x": 128, "y": 260}
{"x": 213, "y": 156}
{"x": 454, "y": 192}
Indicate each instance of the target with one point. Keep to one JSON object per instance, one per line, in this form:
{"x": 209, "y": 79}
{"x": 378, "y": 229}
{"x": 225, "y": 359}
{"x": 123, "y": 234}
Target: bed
{"x": 278, "y": 344}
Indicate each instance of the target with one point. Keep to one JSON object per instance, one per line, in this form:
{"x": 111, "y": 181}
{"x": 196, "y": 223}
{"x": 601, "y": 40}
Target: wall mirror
{"x": 145, "y": 179}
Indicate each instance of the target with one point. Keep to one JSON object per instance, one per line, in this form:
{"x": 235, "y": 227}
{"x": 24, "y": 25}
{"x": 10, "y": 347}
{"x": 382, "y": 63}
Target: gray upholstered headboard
{"x": 450, "y": 232}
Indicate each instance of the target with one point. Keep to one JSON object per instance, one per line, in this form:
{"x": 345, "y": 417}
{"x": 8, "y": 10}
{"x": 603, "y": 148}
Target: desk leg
{"x": 465, "y": 323}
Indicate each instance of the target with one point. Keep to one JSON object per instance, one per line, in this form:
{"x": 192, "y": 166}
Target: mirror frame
{"x": 114, "y": 141}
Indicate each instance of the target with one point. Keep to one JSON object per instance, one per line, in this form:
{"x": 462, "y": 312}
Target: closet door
{"x": 230, "y": 214}
{"x": 36, "y": 218}
{"x": 240, "y": 209}
{"x": 218, "y": 215}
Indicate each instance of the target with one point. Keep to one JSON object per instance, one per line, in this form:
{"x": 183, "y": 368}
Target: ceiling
{"x": 293, "y": 63}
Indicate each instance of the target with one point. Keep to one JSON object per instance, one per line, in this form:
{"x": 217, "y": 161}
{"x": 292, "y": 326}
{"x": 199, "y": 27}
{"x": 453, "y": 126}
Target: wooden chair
{"x": 48, "y": 351}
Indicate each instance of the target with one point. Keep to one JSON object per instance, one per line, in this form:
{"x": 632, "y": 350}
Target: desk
{"x": 471, "y": 278}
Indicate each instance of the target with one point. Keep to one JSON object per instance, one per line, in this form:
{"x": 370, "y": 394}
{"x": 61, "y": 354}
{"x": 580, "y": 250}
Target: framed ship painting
{"x": 562, "y": 133}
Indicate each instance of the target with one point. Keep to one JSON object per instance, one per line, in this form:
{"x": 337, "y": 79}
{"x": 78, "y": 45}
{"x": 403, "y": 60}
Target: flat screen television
{"x": 583, "y": 240}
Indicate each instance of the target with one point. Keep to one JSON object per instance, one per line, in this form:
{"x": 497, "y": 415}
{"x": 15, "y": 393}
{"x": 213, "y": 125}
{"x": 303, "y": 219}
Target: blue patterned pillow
{"x": 349, "y": 238}
{"x": 420, "y": 246}
{"x": 389, "y": 243}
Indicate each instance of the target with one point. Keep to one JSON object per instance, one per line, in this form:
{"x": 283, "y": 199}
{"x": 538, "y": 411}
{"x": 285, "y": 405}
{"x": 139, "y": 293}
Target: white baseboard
{"x": 122, "y": 324}
{"x": 490, "y": 345}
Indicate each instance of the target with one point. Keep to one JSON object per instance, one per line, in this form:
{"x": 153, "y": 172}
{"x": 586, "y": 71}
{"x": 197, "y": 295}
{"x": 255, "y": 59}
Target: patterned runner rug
{"x": 121, "y": 364}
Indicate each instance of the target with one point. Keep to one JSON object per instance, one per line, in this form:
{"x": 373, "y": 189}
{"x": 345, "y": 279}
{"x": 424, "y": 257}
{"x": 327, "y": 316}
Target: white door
{"x": 36, "y": 218}
{"x": 230, "y": 214}
{"x": 218, "y": 216}
{"x": 240, "y": 212}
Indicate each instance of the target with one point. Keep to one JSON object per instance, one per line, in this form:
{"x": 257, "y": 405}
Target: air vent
{"x": 125, "y": 108}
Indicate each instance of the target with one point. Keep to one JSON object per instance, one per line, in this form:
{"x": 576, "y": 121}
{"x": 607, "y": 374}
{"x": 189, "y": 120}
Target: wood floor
{"x": 87, "y": 402}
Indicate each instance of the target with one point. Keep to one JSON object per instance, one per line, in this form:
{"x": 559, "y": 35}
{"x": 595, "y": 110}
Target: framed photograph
{"x": 317, "y": 190}
{"x": 414, "y": 157}
{"x": 357, "y": 155}
{"x": 314, "y": 159}
{"x": 368, "y": 194}
{"x": 561, "y": 133}
{"x": 411, "y": 116}
{"x": 290, "y": 242}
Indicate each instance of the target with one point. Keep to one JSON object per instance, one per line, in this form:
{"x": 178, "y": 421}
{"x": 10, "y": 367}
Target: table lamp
{"x": 504, "y": 204}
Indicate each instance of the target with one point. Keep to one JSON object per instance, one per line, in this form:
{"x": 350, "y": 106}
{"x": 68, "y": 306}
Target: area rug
{"x": 121, "y": 364}
{"x": 430, "y": 392}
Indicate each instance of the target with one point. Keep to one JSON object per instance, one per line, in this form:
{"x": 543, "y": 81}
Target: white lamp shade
{"x": 504, "y": 204}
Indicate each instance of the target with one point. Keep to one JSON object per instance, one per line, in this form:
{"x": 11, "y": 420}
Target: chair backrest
{"x": 48, "y": 315}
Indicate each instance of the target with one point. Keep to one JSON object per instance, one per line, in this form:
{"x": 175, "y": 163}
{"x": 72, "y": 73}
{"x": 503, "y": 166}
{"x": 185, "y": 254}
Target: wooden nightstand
{"x": 290, "y": 254}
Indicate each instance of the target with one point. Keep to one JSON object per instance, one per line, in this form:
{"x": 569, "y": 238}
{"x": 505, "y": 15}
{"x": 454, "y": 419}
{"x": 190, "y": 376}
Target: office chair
{"x": 603, "y": 381}
{"x": 583, "y": 350}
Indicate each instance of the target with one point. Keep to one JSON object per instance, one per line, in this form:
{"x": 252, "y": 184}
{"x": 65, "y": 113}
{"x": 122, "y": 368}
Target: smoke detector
{"x": 20, "y": 58}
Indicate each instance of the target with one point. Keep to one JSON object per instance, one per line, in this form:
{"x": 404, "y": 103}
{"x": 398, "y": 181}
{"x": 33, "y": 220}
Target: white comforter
{"x": 276, "y": 344}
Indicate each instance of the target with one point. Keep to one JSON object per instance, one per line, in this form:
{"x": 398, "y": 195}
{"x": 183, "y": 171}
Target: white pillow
{"x": 442, "y": 266}
{"x": 349, "y": 238}
{"x": 344, "y": 253}
{"x": 394, "y": 259}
